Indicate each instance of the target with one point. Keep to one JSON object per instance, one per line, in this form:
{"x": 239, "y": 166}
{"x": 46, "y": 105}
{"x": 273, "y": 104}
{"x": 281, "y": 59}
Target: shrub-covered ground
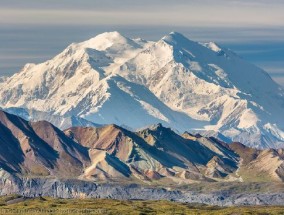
{"x": 46, "y": 205}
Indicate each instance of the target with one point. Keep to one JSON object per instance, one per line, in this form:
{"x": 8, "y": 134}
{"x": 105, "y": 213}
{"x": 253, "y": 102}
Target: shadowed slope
{"x": 39, "y": 148}
{"x": 153, "y": 153}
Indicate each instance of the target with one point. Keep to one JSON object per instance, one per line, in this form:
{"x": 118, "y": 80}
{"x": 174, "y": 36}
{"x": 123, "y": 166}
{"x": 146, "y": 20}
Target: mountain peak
{"x": 108, "y": 39}
{"x": 175, "y": 38}
{"x": 159, "y": 127}
{"x": 109, "y": 34}
{"x": 175, "y": 34}
{"x": 112, "y": 35}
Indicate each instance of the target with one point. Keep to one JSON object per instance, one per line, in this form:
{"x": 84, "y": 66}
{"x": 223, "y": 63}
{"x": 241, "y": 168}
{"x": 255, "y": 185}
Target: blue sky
{"x": 36, "y": 30}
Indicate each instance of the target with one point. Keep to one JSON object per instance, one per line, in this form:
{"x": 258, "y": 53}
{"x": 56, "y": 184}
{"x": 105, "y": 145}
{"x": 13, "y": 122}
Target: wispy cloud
{"x": 159, "y": 12}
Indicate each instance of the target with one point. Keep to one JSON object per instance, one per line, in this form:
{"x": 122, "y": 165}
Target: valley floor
{"x": 16, "y": 204}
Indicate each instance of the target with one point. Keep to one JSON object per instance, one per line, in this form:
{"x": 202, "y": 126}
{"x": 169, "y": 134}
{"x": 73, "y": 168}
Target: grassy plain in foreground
{"x": 47, "y": 205}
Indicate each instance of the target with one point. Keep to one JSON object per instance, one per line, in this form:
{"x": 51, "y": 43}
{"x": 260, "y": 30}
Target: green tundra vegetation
{"x": 16, "y": 204}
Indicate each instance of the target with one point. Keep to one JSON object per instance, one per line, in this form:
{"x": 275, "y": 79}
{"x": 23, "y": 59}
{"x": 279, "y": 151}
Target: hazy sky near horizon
{"x": 36, "y": 30}
{"x": 146, "y": 12}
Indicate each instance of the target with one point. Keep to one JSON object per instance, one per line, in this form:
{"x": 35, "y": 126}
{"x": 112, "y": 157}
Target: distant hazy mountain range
{"x": 112, "y": 79}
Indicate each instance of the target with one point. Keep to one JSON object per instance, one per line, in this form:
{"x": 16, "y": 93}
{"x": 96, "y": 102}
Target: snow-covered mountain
{"x": 132, "y": 82}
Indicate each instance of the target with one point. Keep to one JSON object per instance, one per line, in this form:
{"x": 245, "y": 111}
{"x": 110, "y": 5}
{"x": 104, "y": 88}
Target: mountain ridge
{"x": 110, "y": 153}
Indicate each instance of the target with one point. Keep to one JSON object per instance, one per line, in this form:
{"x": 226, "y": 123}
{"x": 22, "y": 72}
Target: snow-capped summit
{"x": 181, "y": 83}
{"x": 107, "y": 40}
